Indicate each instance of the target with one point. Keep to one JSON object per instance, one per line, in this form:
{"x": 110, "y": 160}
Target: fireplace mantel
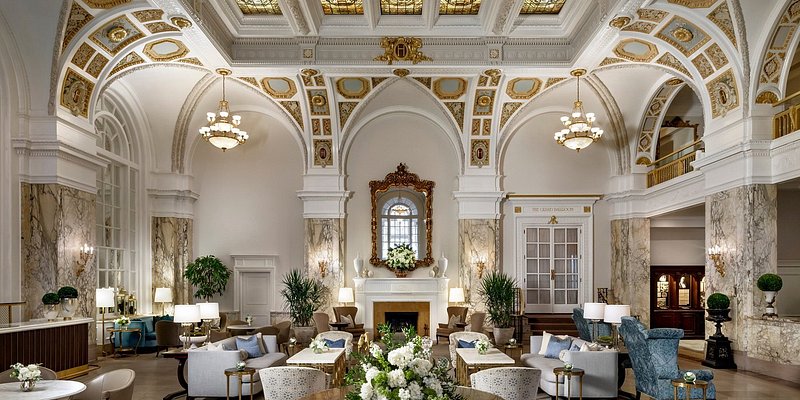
{"x": 371, "y": 290}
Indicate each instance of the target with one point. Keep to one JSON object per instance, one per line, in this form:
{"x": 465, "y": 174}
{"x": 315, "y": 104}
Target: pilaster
{"x": 324, "y": 250}
{"x": 171, "y": 246}
{"x": 630, "y": 265}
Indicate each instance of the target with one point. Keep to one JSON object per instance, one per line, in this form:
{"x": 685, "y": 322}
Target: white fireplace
{"x": 369, "y": 291}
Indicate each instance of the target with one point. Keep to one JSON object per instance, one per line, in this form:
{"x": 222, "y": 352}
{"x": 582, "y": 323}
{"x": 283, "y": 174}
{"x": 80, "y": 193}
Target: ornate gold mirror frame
{"x": 402, "y": 179}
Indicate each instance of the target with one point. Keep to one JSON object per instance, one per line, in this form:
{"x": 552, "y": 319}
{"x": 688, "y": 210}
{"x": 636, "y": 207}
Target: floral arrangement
{"x": 248, "y": 319}
{"x": 240, "y": 366}
{"x": 401, "y": 257}
{"x": 318, "y": 345}
{"x": 292, "y": 340}
{"x": 567, "y": 367}
{"x": 404, "y": 371}
{"x": 28, "y": 372}
{"x": 482, "y": 346}
{"x": 122, "y": 321}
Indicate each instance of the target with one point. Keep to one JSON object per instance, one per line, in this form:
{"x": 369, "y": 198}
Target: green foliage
{"x": 68, "y": 292}
{"x": 718, "y": 301}
{"x": 51, "y": 298}
{"x": 769, "y": 283}
{"x": 209, "y": 275}
{"x": 303, "y": 296}
{"x": 497, "y": 289}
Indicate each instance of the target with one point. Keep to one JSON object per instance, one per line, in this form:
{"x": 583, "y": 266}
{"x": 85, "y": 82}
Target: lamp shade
{"x": 105, "y": 297}
{"x": 456, "y": 295}
{"x": 346, "y": 295}
{"x": 187, "y": 313}
{"x": 163, "y": 295}
{"x": 594, "y": 310}
{"x": 209, "y": 310}
{"x": 615, "y": 312}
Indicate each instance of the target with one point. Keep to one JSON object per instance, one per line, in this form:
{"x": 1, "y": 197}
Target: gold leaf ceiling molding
{"x": 542, "y": 6}
{"x": 342, "y": 7}
{"x": 254, "y": 7}
{"x": 105, "y": 3}
{"x": 459, "y": 7}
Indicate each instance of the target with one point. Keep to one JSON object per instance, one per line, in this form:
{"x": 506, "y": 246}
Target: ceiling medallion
{"x": 309, "y": 72}
{"x": 181, "y": 22}
{"x": 318, "y": 100}
{"x": 620, "y": 22}
{"x": 117, "y": 34}
{"x": 578, "y": 132}
{"x": 402, "y": 49}
{"x": 401, "y": 72}
{"x": 683, "y": 34}
{"x": 223, "y": 130}
{"x": 484, "y": 100}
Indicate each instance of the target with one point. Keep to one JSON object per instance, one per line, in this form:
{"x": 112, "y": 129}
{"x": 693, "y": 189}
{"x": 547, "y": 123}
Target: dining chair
{"x": 291, "y": 383}
{"x": 465, "y": 336}
{"x": 113, "y": 385}
{"x": 509, "y": 383}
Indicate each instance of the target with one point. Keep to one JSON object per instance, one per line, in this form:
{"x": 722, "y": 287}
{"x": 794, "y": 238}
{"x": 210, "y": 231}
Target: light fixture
{"x": 104, "y": 298}
{"x": 186, "y": 315}
{"x": 223, "y": 130}
{"x": 346, "y": 295}
{"x": 594, "y": 312}
{"x": 480, "y": 265}
{"x": 613, "y": 315}
{"x": 162, "y": 295}
{"x": 715, "y": 254}
{"x": 457, "y": 295}
{"x": 208, "y": 313}
{"x": 86, "y": 253}
{"x": 578, "y": 132}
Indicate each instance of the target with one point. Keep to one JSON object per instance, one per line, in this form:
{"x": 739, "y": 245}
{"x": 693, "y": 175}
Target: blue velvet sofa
{"x": 147, "y": 325}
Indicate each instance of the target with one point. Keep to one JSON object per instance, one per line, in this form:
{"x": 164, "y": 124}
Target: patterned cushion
{"x": 250, "y": 345}
{"x": 555, "y": 345}
{"x": 508, "y": 383}
{"x": 335, "y": 344}
{"x": 463, "y": 344}
{"x": 290, "y": 383}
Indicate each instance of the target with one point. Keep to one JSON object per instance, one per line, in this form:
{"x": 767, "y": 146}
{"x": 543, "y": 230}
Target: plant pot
{"x": 769, "y": 296}
{"x": 304, "y": 334}
{"x": 68, "y": 307}
{"x": 718, "y": 316}
{"x": 51, "y": 311}
{"x": 502, "y": 335}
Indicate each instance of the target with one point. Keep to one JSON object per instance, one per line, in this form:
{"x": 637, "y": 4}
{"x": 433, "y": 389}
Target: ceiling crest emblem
{"x": 620, "y": 21}
{"x": 402, "y": 49}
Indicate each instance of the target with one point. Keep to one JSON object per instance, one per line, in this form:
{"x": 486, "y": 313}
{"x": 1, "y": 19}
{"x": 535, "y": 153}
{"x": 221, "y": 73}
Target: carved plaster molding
{"x": 56, "y": 61}
{"x": 618, "y": 127}
{"x": 182, "y": 121}
{"x": 744, "y": 49}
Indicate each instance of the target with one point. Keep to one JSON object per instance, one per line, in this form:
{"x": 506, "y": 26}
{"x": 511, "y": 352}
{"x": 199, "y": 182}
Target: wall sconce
{"x": 480, "y": 264}
{"x": 715, "y": 254}
{"x": 86, "y": 253}
{"x": 323, "y": 262}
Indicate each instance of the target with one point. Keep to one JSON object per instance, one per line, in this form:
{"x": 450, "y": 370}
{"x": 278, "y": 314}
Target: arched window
{"x": 400, "y": 222}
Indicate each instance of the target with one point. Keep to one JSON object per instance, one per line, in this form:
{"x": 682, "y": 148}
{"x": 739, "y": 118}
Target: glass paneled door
{"x": 552, "y": 264}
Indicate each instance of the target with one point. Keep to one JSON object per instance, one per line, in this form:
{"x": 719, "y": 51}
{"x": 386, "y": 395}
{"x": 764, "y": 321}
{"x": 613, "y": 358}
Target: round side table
{"x": 688, "y": 386}
{"x": 239, "y": 373}
{"x": 568, "y": 374}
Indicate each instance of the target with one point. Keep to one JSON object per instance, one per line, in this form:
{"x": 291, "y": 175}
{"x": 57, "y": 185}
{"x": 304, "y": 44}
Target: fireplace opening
{"x": 400, "y": 319}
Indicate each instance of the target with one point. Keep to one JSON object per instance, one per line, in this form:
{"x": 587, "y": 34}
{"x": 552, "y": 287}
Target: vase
{"x": 27, "y": 386}
{"x": 304, "y": 334}
{"x": 443, "y": 267}
{"x": 51, "y": 311}
{"x": 68, "y": 307}
{"x": 358, "y": 265}
{"x": 400, "y": 273}
{"x": 769, "y": 296}
{"x": 502, "y": 335}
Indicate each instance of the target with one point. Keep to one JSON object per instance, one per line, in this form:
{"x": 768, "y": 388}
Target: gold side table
{"x": 688, "y": 386}
{"x": 568, "y": 374}
{"x": 239, "y": 373}
{"x": 513, "y": 350}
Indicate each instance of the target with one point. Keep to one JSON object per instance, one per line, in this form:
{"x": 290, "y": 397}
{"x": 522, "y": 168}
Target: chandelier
{"x": 223, "y": 130}
{"x": 578, "y": 132}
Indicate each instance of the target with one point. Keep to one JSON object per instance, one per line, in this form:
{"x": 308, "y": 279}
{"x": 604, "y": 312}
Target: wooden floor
{"x": 155, "y": 378}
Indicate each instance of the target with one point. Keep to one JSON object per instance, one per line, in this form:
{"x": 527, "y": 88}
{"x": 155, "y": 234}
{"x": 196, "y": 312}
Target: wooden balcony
{"x": 673, "y": 165}
{"x": 788, "y": 119}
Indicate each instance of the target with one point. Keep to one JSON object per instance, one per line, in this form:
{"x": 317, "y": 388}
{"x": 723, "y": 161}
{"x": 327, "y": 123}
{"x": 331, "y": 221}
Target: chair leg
{"x": 638, "y": 395}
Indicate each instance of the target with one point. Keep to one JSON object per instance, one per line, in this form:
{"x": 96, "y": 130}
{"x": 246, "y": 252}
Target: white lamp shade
{"x": 187, "y": 313}
{"x": 594, "y": 310}
{"x": 346, "y": 295}
{"x": 456, "y": 295}
{"x": 615, "y": 312}
{"x": 105, "y": 297}
{"x": 163, "y": 295}
{"x": 209, "y": 310}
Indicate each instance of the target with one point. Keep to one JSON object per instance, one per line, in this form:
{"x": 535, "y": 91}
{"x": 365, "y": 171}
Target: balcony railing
{"x": 674, "y": 164}
{"x": 788, "y": 119}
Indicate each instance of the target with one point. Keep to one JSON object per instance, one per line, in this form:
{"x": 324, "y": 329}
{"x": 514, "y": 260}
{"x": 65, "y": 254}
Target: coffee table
{"x": 469, "y": 361}
{"x": 331, "y": 361}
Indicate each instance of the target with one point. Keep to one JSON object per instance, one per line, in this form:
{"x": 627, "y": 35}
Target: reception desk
{"x": 62, "y": 346}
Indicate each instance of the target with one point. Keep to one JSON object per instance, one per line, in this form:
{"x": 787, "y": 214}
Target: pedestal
{"x": 718, "y": 353}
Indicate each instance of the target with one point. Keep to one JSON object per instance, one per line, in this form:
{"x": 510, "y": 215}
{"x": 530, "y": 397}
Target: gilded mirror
{"x": 402, "y": 213}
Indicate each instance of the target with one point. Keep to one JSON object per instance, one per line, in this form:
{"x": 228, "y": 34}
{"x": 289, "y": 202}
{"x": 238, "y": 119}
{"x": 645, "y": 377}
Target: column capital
{"x": 323, "y": 195}
{"x": 171, "y": 195}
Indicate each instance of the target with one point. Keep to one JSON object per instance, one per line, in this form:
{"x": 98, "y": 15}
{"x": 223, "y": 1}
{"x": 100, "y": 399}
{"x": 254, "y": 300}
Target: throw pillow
{"x": 451, "y": 323}
{"x": 250, "y": 345}
{"x": 545, "y": 340}
{"x": 556, "y": 344}
{"x": 463, "y": 344}
{"x": 348, "y": 319}
{"x": 215, "y": 347}
{"x": 335, "y": 344}
{"x": 576, "y": 344}
{"x": 563, "y": 355}
{"x": 591, "y": 347}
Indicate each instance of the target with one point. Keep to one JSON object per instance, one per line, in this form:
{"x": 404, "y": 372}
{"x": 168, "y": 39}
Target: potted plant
{"x": 497, "y": 289}
{"x": 770, "y": 284}
{"x": 303, "y": 296}
{"x": 718, "y": 309}
{"x": 718, "y": 348}
{"x": 209, "y": 275}
{"x": 50, "y": 301}
{"x": 69, "y": 301}
{"x": 401, "y": 259}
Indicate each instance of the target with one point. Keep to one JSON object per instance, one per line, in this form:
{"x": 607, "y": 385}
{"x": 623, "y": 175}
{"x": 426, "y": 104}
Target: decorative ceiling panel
{"x": 342, "y": 7}
{"x": 252, "y": 7}
{"x": 117, "y": 34}
{"x": 459, "y": 7}
{"x": 401, "y": 7}
{"x": 684, "y": 35}
{"x": 542, "y": 6}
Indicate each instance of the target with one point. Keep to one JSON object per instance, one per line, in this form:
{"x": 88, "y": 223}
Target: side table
{"x": 513, "y": 350}
{"x": 181, "y": 356}
{"x": 568, "y": 374}
{"x": 239, "y": 373}
{"x": 688, "y": 386}
{"x": 118, "y": 333}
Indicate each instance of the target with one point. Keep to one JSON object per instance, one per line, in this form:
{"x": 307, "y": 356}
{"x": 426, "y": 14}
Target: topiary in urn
{"x": 718, "y": 309}
{"x": 770, "y": 284}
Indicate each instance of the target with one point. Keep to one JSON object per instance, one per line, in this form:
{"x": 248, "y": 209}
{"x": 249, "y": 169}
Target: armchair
{"x": 654, "y": 355}
{"x": 357, "y": 329}
{"x": 336, "y": 335}
{"x": 167, "y": 335}
{"x": 465, "y": 336}
{"x": 113, "y": 385}
{"x": 585, "y": 327}
{"x": 321, "y": 321}
{"x": 476, "y": 321}
{"x": 444, "y": 330}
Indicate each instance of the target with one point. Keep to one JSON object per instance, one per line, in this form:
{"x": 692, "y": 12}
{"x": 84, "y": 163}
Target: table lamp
{"x": 346, "y": 295}
{"x": 457, "y": 295}
{"x": 104, "y": 298}
{"x": 208, "y": 313}
{"x": 613, "y": 315}
{"x": 186, "y": 315}
{"x": 594, "y": 312}
{"x": 163, "y": 295}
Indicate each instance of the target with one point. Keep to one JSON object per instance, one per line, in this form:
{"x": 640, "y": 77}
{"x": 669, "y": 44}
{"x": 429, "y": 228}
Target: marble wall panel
{"x": 56, "y": 220}
{"x": 324, "y": 240}
{"x": 774, "y": 339}
{"x": 630, "y": 265}
{"x": 477, "y": 239}
{"x": 172, "y": 251}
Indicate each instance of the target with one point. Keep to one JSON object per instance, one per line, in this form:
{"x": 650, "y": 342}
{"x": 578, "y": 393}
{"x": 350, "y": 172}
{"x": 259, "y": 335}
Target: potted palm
{"x": 497, "y": 289}
{"x": 303, "y": 296}
{"x": 50, "y": 301}
{"x": 770, "y": 284}
{"x": 69, "y": 301}
{"x": 209, "y": 275}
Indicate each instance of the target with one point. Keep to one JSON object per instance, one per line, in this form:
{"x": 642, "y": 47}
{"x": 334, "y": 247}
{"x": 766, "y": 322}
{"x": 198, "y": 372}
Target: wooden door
{"x": 254, "y": 295}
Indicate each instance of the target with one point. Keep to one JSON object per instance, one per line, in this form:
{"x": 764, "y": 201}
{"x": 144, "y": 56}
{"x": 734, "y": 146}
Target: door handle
{"x": 552, "y": 274}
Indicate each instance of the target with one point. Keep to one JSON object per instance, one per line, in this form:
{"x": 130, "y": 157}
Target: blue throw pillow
{"x": 466, "y": 345}
{"x": 250, "y": 345}
{"x": 335, "y": 344}
{"x": 555, "y": 345}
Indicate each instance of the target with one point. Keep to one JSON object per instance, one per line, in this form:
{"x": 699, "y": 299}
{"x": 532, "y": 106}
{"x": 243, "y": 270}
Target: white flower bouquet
{"x": 28, "y": 375}
{"x": 404, "y": 371}
{"x": 240, "y": 366}
{"x": 482, "y": 346}
{"x": 401, "y": 257}
{"x": 248, "y": 319}
{"x": 122, "y": 321}
{"x": 318, "y": 345}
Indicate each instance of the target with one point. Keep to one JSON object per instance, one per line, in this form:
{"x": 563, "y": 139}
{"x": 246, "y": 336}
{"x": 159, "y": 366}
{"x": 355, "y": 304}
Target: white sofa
{"x": 207, "y": 368}
{"x": 599, "y": 381}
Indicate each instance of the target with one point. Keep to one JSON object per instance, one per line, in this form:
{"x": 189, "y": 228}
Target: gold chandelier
{"x": 578, "y": 132}
{"x": 223, "y": 130}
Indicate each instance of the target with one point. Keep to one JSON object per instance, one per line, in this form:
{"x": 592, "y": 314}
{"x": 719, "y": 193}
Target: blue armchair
{"x": 585, "y": 327}
{"x": 654, "y": 355}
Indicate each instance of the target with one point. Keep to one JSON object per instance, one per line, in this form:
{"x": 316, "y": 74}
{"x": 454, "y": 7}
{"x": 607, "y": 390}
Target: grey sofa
{"x": 600, "y": 380}
{"x": 207, "y": 368}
